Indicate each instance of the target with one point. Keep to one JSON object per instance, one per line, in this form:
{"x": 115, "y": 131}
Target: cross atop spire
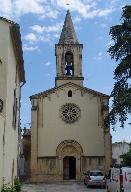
{"x": 68, "y": 35}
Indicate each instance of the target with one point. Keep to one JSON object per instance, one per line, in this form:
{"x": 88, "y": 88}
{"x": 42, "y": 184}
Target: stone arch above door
{"x": 69, "y": 148}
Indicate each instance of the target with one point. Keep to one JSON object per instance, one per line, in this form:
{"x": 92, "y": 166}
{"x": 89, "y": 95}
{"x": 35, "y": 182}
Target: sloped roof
{"x": 27, "y": 132}
{"x": 120, "y": 143}
{"x": 8, "y": 20}
{"x": 68, "y": 35}
{"x": 52, "y": 90}
{"x": 17, "y": 44}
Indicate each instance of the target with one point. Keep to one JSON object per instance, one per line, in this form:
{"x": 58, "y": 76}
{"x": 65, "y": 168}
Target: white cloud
{"x": 45, "y": 38}
{"x": 86, "y": 9}
{"x": 50, "y": 13}
{"x": 113, "y": 2}
{"x": 17, "y": 8}
{"x": 97, "y": 13}
{"x": 30, "y": 48}
{"x": 48, "y": 74}
{"x": 51, "y": 8}
{"x": 31, "y": 37}
{"x": 48, "y": 29}
{"x": 76, "y": 19}
{"x": 110, "y": 43}
{"x": 75, "y": 5}
{"x": 105, "y": 12}
{"x": 56, "y": 36}
{"x": 5, "y": 7}
{"x": 99, "y": 56}
{"x": 28, "y": 6}
{"x": 43, "y": 33}
{"x": 48, "y": 63}
{"x": 37, "y": 28}
{"x": 104, "y": 25}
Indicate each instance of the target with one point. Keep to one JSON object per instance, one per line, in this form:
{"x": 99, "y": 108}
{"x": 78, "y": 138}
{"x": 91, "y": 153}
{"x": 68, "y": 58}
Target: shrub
{"x": 17, "y": 184}
{"x": 8, "y": 188}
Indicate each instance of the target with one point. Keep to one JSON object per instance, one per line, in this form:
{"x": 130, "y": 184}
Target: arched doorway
{"x": 69, "y": 167}
{"x": 69, "y": 153}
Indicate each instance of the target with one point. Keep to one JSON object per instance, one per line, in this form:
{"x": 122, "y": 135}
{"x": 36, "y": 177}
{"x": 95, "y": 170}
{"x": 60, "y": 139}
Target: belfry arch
{"x": 68, "y": 52}
{"x": 69, "y": 153}
{"x": 69, "y": 64}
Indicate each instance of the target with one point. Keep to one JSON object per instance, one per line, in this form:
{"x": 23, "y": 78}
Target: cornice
{"x": 69, "y": 78}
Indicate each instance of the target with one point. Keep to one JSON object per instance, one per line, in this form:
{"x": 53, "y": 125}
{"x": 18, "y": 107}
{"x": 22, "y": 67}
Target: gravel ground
{"x": 59, "y": 187}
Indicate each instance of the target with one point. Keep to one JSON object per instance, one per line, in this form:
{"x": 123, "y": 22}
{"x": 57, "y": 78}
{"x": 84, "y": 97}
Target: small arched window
{"x": 69, "y": 93}
{"x": 69, "y": 66}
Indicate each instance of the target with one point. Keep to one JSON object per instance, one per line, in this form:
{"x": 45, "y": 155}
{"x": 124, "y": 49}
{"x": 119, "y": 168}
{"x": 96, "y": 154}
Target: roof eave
{"x": 50, "y": 91}
{"x": 17, "y": 45}
{"x": 8, "y": 21}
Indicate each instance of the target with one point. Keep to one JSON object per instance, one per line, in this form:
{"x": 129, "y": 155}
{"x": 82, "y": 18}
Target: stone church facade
{"x": 67, "y": 134}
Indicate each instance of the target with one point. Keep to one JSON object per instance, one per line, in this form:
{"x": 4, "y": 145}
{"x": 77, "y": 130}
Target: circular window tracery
{"x": 70, "y": 112}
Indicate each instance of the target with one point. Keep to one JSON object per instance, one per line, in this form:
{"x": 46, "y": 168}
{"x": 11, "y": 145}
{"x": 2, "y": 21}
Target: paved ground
{"x": 59, "y": 187}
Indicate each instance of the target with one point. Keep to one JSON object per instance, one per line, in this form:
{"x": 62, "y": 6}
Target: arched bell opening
{"x": 69, "y": 64}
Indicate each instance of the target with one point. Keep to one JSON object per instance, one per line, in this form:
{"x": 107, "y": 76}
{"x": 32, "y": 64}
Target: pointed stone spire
{"x": 68, "y": 35}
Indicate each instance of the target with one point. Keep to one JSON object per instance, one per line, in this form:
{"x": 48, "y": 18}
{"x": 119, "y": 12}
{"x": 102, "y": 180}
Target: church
{"x": 67, "y": 132}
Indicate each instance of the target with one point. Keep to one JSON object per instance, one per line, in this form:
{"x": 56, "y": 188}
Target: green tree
{"x": 121, "y": 52}
{"x": 126, "y": 158}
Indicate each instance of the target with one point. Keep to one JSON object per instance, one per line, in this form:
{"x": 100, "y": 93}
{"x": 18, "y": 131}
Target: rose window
{"x": 70, "y": 112}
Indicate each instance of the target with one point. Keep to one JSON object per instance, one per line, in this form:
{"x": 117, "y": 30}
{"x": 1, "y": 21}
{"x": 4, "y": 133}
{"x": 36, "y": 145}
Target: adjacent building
{"x": 12, "y": 78}
{"x": 118, "y": 149}
{"x": 67, "y": 132}
{"x": 25, "y": 154}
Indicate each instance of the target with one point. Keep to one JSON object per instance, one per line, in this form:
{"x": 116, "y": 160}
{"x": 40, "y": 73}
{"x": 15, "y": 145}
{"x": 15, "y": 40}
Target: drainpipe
{"x": 19, "y": 138}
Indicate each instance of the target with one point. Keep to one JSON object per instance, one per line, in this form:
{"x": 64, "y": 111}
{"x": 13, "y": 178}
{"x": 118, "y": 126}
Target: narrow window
{"x": 1, "y": 105}
{"x": 16, "y": 75}
{"x": 69, "y": 93}
{"x": 15, "y": 109}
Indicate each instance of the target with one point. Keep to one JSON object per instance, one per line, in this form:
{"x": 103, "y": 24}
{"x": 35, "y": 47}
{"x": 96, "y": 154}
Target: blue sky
{"x": 41, "y": 23}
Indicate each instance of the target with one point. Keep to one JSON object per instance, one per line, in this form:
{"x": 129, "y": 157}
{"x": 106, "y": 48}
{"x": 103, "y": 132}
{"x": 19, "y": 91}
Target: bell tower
{"x": 68, "y": 54}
